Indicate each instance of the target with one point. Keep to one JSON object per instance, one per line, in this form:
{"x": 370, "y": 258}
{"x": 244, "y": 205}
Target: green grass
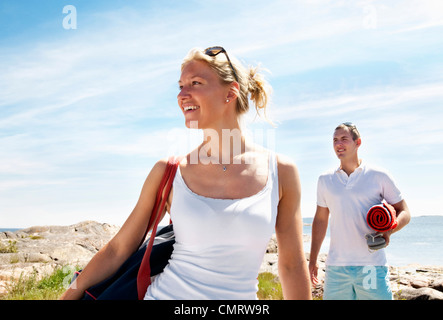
{"x": 11, "y": 247}
{"x": 269, "y": 288}
{"x": 50, "y": 287}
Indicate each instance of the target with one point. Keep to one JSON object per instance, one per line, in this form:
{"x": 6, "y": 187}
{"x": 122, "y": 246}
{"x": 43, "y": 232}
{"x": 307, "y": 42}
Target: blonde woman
{"x": 228, "y": 197}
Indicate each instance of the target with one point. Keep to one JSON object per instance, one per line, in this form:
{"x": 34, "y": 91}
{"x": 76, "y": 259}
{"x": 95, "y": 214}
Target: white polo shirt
{"x": 348, "y": 200}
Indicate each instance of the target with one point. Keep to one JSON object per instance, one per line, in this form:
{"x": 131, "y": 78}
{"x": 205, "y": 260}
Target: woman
{"x": 228, "y": 196}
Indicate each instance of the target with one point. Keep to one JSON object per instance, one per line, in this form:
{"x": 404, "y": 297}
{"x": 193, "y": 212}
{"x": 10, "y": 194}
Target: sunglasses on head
{"x": 214, "y": 51}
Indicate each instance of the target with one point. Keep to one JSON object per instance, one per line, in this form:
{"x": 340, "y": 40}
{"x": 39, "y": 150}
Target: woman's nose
{"x": 184, "y": 93}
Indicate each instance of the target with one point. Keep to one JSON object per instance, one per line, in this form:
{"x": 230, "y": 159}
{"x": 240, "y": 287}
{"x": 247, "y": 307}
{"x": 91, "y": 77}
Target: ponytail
{"x": 259, "y": 91}
{"x": 253, "y": 86}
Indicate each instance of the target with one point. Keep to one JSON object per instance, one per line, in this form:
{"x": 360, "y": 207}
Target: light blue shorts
{"x": 357, "y": 283}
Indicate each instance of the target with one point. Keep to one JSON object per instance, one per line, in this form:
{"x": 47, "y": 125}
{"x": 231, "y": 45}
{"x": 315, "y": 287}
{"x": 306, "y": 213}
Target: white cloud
{"x": 381, "y": 100}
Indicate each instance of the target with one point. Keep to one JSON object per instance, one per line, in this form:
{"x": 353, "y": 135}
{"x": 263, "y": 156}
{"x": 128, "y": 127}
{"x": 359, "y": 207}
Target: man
{"x": 346, "y": 194}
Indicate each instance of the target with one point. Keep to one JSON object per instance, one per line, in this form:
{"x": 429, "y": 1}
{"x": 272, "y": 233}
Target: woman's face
{"x": 202, "y": 96}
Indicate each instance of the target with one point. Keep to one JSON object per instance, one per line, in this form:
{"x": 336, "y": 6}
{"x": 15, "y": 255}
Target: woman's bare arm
{"x": 124, "y": 243}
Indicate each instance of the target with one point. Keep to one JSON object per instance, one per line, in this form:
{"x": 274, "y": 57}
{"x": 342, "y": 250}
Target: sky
{"x": 88, "y": 95}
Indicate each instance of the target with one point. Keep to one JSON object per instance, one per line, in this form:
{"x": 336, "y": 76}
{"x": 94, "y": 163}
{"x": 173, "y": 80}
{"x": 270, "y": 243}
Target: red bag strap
{"x": 144, "y": 273}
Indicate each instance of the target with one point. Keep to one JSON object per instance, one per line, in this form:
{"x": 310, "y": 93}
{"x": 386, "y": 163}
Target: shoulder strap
{"x": 144, "y": 273}
{"x": 162, "y": 193}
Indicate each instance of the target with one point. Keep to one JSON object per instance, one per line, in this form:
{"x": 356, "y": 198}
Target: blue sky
{"x": 86, "y": 112}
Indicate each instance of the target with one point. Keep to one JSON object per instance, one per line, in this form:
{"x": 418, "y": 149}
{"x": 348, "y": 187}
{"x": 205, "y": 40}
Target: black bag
{"x": 132, "y": 279}
{"x": 122, "y": 285}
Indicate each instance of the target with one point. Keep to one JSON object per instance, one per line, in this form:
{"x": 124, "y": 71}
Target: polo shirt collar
{"x": 360, "y": 168}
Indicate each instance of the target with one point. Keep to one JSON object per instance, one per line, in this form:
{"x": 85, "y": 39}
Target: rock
{"x": 409, "y": 293}
{"x": 419, "y": 282}
{"x": 31, "y": 257}
{"x": 438, "y": 284}
{"x": 42, "y": 248}
{"x": 7, "y": 235}
{"x": 67, "y": 244}
{"x": 272, "y": 245}
{"x": 270, "y": 263}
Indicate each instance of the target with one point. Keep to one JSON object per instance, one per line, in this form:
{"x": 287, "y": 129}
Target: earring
{"x": 227, "y": 100}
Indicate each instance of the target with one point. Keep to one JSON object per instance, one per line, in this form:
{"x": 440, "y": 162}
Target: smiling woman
{"x": 224, "y": 215}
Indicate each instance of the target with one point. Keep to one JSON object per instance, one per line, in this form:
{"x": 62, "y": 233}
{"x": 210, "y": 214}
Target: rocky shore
{"x": 39, "y": 250}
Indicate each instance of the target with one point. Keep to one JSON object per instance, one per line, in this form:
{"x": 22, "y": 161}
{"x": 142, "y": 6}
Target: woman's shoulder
{"x": 160, "y": 165}
{"x": 288, "y": 177}
{"x": 285, "y": 163}
{"x": 159, "y": 168}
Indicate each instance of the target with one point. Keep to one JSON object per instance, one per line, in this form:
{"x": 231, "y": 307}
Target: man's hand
{"x": 313, "y": 271}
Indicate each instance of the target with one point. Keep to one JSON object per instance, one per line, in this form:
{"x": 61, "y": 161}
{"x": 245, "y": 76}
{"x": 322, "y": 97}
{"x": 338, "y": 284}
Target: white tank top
{"x": 220, "y": 243}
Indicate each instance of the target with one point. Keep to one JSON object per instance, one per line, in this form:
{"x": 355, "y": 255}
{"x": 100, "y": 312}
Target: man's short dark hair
{"x": 352, "y": 129}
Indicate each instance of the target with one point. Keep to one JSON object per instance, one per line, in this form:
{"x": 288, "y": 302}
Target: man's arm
{"x": 403, "y": 218}
{"x": 319, "y": 228}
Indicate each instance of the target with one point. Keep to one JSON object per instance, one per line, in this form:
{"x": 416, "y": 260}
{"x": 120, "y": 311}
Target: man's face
{"x": 344, "y": 146}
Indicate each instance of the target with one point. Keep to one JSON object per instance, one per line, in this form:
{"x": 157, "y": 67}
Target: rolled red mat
{"x": 382, "y": 217}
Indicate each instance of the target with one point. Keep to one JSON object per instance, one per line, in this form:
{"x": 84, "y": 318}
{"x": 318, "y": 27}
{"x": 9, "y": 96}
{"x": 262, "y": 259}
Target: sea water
{"x": 9, "y": 229}
{"x": 419, "y": 242}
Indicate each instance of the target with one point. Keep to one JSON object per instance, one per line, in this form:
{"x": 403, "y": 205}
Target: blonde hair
{"x": 252, "y": 84}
